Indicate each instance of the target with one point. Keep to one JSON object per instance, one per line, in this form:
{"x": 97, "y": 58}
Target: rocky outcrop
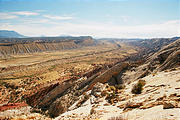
{"x": 111, "y": 76}
{"x": 150, "y": 46}
{"x": 36, "y": 98}
{"x": 64, "y": 100}
{"x": 56, "y": 98}
{"x": 168, "y": 57}
{"x": 53, "y": 94}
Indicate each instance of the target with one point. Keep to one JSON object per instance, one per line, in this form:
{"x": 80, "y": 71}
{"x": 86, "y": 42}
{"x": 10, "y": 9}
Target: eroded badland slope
{"x": 13, "y": 46}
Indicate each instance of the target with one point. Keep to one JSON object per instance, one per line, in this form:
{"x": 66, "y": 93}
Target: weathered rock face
{"x": 173, "y": 60}
{"x": 56, "y": 98}
{"x": 65, "y": 100}
{"x": 37, "y": 97}
{"x": 151, "y": 46}
{"x": 53, "y": 94}
{"x": 110, "y": 76}
{"x": 70, "y": 96}
{"x": 167, "y": 57}
{"x": 60, "y": 106}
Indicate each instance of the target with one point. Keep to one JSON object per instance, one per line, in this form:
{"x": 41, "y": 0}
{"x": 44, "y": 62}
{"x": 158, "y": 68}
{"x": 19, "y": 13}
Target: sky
{"x": 97, "y": 18}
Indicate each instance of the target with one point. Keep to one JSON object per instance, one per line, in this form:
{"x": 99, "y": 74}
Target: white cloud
{"x": 165, "y": 29}
{"x": 26, "y": 13}
{"x": 13, "y": 15}
{"x": 36, "y": 21}
{"x": 4, "y": 16}
{"x": 58, "y": 17}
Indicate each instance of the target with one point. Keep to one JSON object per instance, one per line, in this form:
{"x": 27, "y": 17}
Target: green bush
{"x": 120, "y": 86}
{"x": 138, "y": 87}
{"x": 113, "y": 88}
{"x": 110, "y": 97}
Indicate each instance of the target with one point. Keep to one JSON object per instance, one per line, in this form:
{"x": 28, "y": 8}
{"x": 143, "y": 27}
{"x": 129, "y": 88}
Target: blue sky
{"x": 98, "y": 18}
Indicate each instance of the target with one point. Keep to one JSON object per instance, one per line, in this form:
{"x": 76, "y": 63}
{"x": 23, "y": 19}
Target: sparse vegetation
{"x": 138, "y": 87}
{"x": 112, "y": 88}
{"x": 111, "y": 94}
{"x": 120, "y": 86}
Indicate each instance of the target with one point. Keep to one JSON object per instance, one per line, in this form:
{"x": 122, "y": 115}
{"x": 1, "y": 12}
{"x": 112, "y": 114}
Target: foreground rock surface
{"x": 158, "y": 100}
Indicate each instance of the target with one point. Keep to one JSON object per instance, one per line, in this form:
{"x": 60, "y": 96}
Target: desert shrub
{"x": 111, "y": 97}
{"x": 111, "y": 93}
{"x": 120, "y": 86}
{"x": 112, "y": 88}
{"x": 138, "y": 87}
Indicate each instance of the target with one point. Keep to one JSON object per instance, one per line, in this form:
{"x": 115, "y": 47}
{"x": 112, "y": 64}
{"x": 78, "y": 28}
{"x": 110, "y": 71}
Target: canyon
{"x": 85, "y": 78}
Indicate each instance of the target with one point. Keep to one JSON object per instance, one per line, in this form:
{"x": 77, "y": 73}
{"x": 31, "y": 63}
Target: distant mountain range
{"x": 10, "y": 34}
{"x": 9, "y": 46}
